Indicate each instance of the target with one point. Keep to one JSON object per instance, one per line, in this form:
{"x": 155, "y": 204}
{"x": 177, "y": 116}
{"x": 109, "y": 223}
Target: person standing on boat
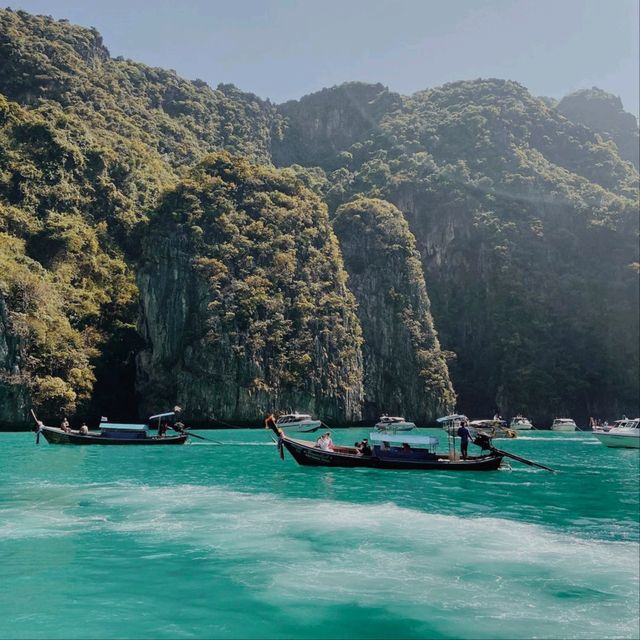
{"x": 465, "y": 435}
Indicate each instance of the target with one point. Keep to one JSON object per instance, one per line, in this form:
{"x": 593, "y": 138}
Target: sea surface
{"x": 210, "y": 541}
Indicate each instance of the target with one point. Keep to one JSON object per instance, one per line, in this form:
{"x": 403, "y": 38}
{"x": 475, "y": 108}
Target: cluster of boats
{"x": 389, "y": 446}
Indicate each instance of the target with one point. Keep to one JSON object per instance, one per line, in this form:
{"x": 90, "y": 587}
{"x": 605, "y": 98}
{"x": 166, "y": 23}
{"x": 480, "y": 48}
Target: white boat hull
{"x": 563, "y": 427}
{"x": 300, "y": 427}
{"x": 621, "y": 440}
{"x": 521, "y": 427}
{"x": 393, "y": 428}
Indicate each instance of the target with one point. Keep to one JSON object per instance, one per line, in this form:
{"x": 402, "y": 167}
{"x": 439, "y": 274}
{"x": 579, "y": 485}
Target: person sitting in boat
{"x": 324, "y": 442}
{"x": 406, "y": 448}
{"x": 64, "y": 425}
{"x": 163, "y": 427}
{"x": 363, "y": 448}
{"x": 84, "y": 430}
{"x": 464, "y": 434}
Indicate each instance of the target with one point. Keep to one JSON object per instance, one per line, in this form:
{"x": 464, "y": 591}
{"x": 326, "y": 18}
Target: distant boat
{"x": 626, "y": 435}
{"x": 520, "y": 423}
{"x": 300, "y": 422}
{"x": 392, "y": 424}
{"x": 563, "y": 424}
{"x": 495, "y": 428}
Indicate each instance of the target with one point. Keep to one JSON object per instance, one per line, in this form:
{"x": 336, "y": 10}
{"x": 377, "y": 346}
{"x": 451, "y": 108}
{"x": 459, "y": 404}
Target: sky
{"x": 284, "y": 49}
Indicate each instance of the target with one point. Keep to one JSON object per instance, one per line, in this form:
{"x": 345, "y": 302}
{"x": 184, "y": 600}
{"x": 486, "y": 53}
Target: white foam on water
{"x": 313, "y": 554}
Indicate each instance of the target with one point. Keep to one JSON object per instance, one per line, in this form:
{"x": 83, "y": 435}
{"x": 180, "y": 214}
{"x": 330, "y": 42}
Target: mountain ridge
{"x": 497, "y": 187}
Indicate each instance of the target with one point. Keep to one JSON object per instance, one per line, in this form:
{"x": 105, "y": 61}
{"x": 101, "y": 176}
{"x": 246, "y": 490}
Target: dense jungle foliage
{"x": 602, "y": 112}
{"x": 524, "y": 214}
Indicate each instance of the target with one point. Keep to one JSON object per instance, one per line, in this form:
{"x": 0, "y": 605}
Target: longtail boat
{"x": 110, "y": 433}
{"x": 388, "y": 451}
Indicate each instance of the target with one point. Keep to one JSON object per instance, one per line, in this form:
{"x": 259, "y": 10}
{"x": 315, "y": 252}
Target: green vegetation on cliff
{"x": 47, "y": 61}
{"x": 602, "y": 112}
{"x": 67, "y": 211}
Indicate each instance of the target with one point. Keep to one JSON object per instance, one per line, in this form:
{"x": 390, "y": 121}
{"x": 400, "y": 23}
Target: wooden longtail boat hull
{"x": 58, "y": 436}
{"x": 308, "y": 455}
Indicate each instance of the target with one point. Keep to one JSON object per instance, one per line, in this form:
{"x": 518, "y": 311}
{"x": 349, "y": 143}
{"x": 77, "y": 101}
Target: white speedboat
{"x": 300, "y": 422}
{"x": 563, "y": 424}
{"x": 626, "y": 435}
{"x": 520, "y": 423}
{"x": 392, "y": 424}
{"x": 496, "y": 428}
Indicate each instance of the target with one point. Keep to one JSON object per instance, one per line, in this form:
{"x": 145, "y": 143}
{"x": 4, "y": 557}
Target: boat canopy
{"x": 452, "y": 418}
{"x": 112, "y": 426}
{"x": 399, "y": 438}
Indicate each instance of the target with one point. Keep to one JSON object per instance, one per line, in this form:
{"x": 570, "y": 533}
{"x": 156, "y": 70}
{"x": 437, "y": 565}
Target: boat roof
{"x": 294, "y": 415}
{"x": 163, "y": 415}
{"x": 398, "y": 438}
{"x": 563, "y": 420}
{"x": 114, "y": 426}
{"x": 451, "y": 418}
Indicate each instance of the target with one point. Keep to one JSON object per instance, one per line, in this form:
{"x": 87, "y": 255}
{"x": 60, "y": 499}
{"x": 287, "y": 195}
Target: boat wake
{"x": 307, "y": 555}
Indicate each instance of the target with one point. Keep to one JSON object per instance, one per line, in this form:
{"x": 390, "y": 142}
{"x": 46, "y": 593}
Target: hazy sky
{"x": 283, "y": 49}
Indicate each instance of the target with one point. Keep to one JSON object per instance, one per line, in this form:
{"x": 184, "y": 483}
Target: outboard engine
{"x": 483, "y": 441}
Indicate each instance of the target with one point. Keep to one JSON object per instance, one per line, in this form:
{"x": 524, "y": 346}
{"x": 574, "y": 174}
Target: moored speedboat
{"x": 520, "y": 423}
{"x": 496, "y": 428}
{"x": 392, "y": 424}
{"x": 300, "y": 422}
{"x": 563, "y": 424}
{"x": 626, "y": 435}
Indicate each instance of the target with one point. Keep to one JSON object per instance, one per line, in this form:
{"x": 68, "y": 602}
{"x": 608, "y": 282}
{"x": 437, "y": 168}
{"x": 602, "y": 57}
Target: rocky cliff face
{"x": 319, "y": 126}
{"x": 14, "y": 399}
{"x": 245, "y": 307}
{"x": 603, "y": 113}
{"x": 405, "y": 372}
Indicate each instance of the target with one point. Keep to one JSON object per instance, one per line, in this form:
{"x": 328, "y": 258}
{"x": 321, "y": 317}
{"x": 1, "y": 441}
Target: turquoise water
{"x": 207, "y": 541}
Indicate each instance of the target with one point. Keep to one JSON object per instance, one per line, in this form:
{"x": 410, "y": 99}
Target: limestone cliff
{"x": 603, "y": 113}
{"x": 404, "y": 369}
{"x": 14, "y": 410}
{"x": 245, "y": 307}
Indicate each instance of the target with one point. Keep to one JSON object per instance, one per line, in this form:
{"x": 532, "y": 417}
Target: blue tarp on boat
{"x": 112, "y": 426}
